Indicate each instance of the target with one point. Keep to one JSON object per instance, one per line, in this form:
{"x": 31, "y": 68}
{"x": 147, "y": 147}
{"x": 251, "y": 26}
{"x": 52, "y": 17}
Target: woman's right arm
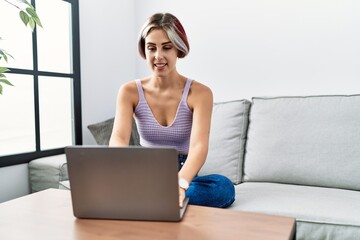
{"x": 127, "y": 99}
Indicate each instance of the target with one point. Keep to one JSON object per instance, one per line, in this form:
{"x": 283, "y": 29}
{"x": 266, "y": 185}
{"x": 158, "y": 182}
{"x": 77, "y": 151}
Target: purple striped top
{"x": 153, "y": 134}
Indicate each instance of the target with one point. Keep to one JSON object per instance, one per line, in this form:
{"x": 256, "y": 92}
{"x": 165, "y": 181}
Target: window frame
{"x": 21, "y": 158}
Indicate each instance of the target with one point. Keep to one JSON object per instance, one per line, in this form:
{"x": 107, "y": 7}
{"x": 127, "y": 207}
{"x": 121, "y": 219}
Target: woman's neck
{"x": 173, "y": 81}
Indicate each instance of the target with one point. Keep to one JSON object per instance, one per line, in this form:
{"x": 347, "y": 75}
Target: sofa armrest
{"x": 47, "y": 172}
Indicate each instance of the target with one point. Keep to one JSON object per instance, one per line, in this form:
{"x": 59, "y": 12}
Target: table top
{"x": 48, "y": 215}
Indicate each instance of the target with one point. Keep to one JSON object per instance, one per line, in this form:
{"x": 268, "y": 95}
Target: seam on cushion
{"x": 242, "y": 148}
{"x": 308, "y": 96}
{"x": 237, "y": 178}
{"x": 328, "y": 223}
{"x": 63, "y": 165}
{"x": 246, "y": 142}
{"x": 60, "y": 173}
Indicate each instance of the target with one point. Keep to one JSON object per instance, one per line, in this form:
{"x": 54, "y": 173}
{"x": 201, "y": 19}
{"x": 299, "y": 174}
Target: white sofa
{"x": 290, "y": 156}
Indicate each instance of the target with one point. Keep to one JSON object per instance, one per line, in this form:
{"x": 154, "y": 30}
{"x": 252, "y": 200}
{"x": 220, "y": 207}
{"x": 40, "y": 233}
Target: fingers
{"x": 181, "y": 196}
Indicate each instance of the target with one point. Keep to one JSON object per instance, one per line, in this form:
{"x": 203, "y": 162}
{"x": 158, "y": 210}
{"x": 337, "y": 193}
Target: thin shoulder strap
{"x": 140, "y": 90}
{"x": 186, "y": 89}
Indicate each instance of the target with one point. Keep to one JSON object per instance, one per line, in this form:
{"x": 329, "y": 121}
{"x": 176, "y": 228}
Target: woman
{"x": 171, "y": 110}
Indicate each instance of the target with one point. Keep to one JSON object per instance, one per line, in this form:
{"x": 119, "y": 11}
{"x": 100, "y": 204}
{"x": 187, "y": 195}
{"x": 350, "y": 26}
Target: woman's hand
{"x": 181, "y": 196}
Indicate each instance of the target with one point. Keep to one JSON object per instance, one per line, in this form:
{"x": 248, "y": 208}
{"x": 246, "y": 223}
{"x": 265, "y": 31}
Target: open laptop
{"x": 129, "y": 183}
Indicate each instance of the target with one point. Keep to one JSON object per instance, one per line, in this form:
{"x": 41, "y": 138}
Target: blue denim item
{"x": 211, "y": 190}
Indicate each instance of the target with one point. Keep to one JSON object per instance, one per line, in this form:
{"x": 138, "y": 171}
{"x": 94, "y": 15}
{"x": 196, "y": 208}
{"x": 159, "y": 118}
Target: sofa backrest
{"x": 227, "y": 138}
{"x": 312, "y": 140}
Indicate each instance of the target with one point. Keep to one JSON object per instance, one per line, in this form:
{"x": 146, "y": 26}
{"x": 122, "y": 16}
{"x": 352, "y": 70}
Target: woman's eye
{"x": 168, "y": 47}
{"x": 151, "y": 49}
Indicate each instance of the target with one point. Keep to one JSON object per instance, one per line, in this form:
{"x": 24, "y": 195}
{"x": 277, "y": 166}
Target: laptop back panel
{"x": 131, "y": 183}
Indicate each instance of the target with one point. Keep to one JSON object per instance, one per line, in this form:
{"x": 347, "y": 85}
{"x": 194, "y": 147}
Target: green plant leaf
{"x": 2, "y": 75}
{"x": 34, "y": 16}
{"x": 31, "y": 12}
{"x": 31, "y": 23}
{"x": 37, "y": 21}
{"x": 26, "y": 2}
{"x": 6, "y": 82}
{"x": 3, "y": 53}
{"x": 24, "y": 17}
{"x": 1, "y": 89}
{"x": 4, "y": 69}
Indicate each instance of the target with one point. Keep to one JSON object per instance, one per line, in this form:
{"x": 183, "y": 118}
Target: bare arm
{"x": 201, "y": 100}
{"x": 126, "y": 101}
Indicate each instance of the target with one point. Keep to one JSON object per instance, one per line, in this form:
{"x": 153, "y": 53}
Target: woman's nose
{"x": 158, "y": 55}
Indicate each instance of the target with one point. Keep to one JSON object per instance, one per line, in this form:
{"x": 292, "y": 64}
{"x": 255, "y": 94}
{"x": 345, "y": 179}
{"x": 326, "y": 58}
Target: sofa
{"x": 295, "y": 156}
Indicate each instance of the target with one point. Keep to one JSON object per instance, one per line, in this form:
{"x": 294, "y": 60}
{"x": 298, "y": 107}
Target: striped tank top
{"x": 153, "y": 134}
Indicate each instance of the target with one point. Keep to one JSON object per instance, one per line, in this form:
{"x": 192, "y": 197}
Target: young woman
{"x": 171, "y": 110}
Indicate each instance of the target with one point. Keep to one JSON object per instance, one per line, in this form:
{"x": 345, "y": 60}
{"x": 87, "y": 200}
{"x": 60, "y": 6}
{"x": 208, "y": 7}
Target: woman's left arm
{"x": 200, "y": 100}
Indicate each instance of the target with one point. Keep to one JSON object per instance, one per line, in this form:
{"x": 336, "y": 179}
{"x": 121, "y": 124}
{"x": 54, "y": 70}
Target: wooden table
{"x": 48, "y": 215}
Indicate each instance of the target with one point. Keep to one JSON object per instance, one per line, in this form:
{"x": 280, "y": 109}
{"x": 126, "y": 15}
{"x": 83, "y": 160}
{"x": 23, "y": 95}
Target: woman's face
{"x": 160, "y": 53}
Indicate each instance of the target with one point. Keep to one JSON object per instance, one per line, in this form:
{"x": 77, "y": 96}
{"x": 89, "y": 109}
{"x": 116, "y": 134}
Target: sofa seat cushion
{"x": 337, "y": 209}
{"x": 316, "y": 231}
{"x": 47, "y": 172}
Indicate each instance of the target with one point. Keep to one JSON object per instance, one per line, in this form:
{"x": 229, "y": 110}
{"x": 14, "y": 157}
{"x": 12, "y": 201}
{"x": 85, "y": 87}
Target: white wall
{"x": 255, "y": 48}
{"x": 107, "y": 45}
{"x": 14, "y": 182}
{"x": 239, "y": 48}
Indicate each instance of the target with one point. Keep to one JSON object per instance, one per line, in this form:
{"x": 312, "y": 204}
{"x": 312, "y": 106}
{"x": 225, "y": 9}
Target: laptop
{"x": 127, "y": 183}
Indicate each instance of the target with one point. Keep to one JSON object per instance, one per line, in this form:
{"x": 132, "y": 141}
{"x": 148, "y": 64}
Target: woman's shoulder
{"x": 129, "y": 86}
{"x": 198, "y": 88}
{"x": 128, "y": 90}
{"x": 199, "y": 95}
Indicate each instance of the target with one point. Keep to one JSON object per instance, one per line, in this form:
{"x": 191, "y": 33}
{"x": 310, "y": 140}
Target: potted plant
{"x": 30, "y": 18}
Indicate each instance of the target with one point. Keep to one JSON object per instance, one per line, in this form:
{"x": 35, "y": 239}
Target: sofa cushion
{"x": 227, "y": 139}
{"x": 47, "y": 172}
{"x": 65, "y": 185}
{"x": 321, "y": 213}
{"x": 101, "y": 131}
{"x": 305, "y": 140}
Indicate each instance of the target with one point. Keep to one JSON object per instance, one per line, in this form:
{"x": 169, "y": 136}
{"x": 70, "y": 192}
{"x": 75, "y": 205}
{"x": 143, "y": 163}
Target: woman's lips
{"x": 160, "y": 66}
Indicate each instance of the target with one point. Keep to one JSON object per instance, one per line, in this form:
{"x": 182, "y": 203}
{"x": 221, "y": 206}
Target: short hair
{"x": 171, "y": 26}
